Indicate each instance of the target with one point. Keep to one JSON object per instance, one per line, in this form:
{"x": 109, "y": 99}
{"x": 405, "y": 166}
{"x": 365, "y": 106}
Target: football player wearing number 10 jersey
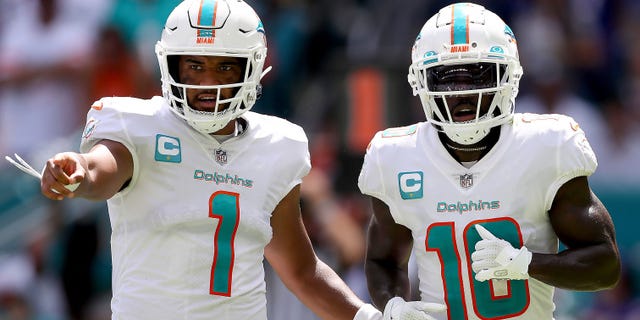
{"x": 480, "y": 195}
{"x": 200, "y": 189}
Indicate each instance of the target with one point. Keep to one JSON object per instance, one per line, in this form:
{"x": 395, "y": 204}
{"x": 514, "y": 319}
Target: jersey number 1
{"x": 224, "y": 206}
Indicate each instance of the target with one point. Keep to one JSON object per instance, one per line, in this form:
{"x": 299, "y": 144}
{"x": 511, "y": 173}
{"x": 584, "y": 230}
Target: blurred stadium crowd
{"x": 339, "y": 71}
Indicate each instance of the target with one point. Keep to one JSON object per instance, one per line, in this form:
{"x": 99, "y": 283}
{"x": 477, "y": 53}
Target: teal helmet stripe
{"x": 207, "y": 17}
{"x": 460, "y": 26}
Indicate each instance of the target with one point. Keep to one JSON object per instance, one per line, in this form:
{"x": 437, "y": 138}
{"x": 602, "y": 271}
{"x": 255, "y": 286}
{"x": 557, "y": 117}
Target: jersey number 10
{"x": 512, "y": 301}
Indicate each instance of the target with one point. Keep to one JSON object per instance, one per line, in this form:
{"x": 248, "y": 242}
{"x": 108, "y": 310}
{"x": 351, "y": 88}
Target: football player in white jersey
{"x": 199, "y": 188}
{"x": 480, "y": 195}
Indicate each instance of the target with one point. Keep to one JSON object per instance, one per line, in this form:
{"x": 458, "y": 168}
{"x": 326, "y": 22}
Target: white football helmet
{"x": 465, "y": 37}
{"x": 212, "y": 28}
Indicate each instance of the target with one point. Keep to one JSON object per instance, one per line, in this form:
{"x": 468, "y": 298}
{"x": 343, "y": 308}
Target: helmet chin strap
{"x": 466, "y": 137}
{"x": 259, "y": 86}
{"x": 265, "y": 71}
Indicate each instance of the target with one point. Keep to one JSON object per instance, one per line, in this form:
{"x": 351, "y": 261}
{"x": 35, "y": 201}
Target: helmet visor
{"x": 462, "y": 77}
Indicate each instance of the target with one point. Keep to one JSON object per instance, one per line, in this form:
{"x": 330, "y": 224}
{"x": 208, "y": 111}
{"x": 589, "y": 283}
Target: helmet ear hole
{"x": 258, "y": 91}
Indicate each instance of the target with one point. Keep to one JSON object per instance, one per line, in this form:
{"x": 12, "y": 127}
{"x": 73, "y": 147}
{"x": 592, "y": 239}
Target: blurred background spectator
{"x": 339, "y": 71}
{"x": 46, "y": 47}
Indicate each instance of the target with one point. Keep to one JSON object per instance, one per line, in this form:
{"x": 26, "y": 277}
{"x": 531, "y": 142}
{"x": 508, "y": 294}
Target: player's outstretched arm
{"x": 591, "y": 260}
{"x": 291, "y": 255}
{"x": 101, "y": 172}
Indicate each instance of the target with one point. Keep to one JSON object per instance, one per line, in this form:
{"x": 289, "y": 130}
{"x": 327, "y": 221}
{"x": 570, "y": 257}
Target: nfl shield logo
{"x": 466, "y": 180}
{"x": 221, "y": 156}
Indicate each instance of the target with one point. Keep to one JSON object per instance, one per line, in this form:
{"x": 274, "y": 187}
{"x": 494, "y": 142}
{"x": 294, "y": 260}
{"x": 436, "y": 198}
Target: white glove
{"x": 28, "y": 169}
{"x": 368, "y": 312}
{"x": 398, "y": 309}
{"x": 496, "y": 258}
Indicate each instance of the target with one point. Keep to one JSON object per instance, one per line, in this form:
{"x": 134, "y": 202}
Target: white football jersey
{"x": 509, "y": 191}
{"x": 189, "y": 230}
